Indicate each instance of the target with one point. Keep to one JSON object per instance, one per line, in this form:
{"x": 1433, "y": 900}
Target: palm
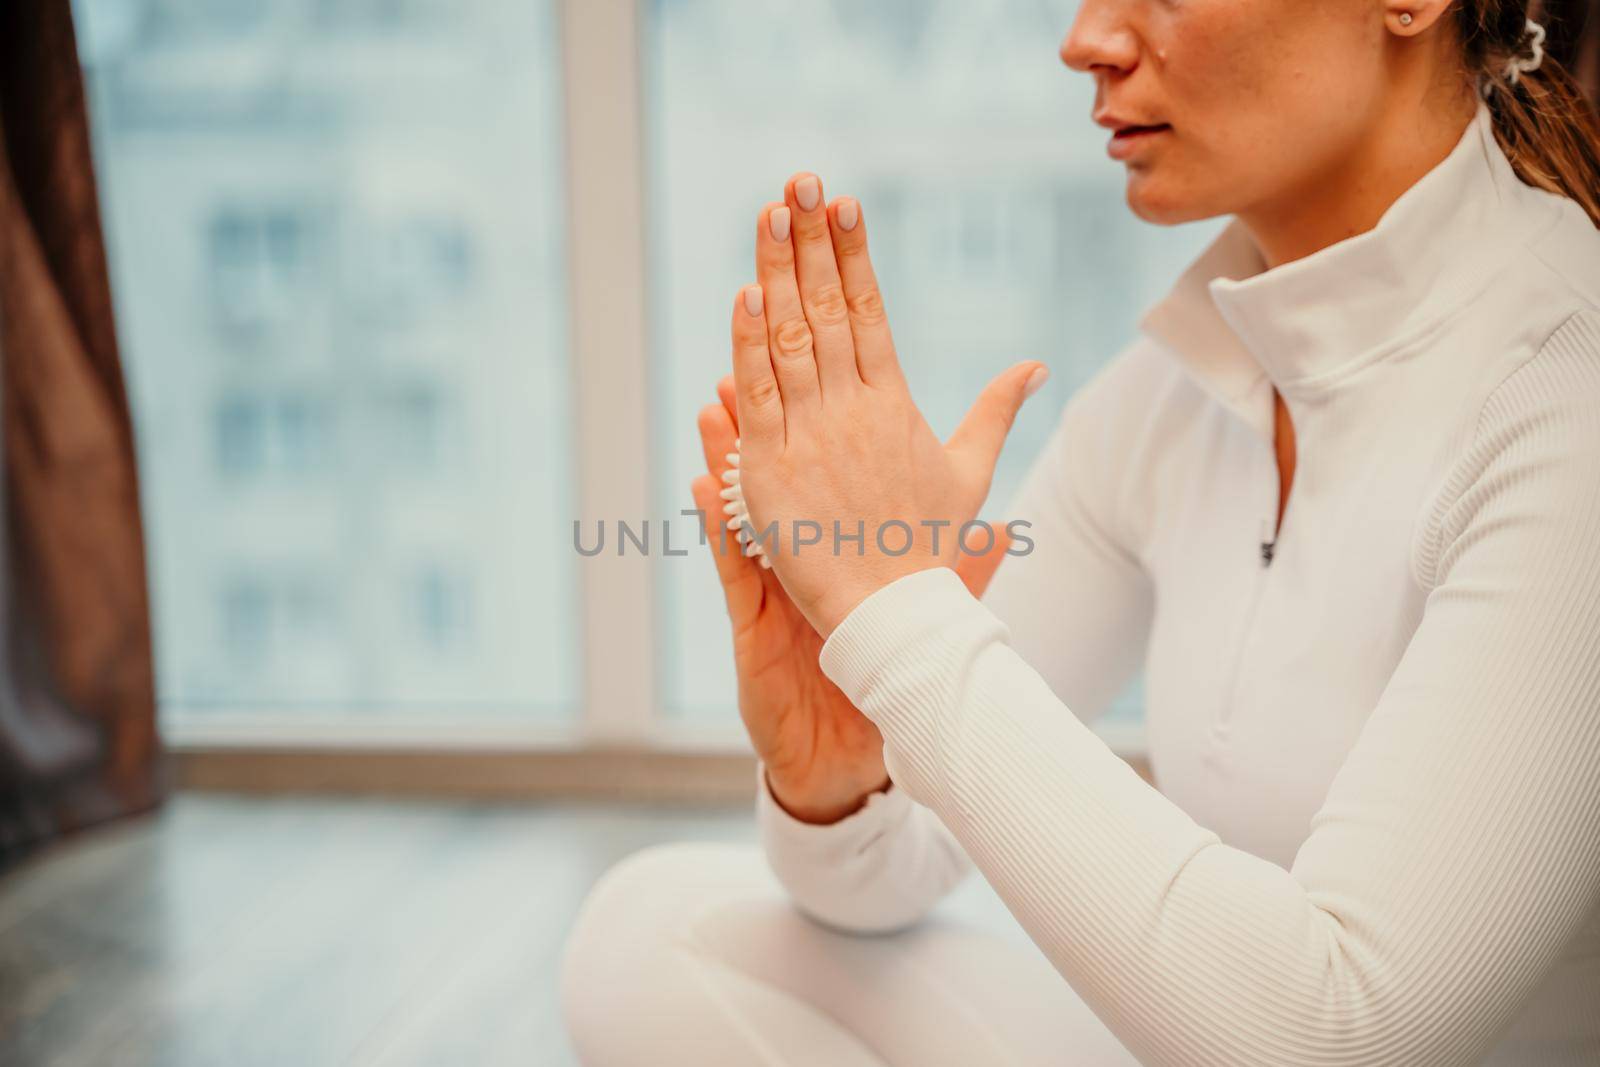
{"x": 799, "y": 720}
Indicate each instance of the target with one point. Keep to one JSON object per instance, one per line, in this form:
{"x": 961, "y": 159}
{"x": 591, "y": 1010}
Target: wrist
{"x": 825, "y": 805}
{"x": 832, "y": 609}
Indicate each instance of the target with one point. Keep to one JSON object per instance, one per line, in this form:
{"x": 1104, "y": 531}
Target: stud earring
{"x": 1405, "y": 18}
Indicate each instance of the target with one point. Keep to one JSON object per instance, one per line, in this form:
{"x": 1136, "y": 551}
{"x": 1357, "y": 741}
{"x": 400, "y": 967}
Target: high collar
{"x": 1237, "y": 326}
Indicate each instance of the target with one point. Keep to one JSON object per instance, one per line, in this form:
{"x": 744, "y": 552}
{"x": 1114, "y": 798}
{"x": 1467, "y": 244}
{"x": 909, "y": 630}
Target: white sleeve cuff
{"x": 876, "y": 870}
{"x": 891, "y": 622}
{"x": 796, "y": 838}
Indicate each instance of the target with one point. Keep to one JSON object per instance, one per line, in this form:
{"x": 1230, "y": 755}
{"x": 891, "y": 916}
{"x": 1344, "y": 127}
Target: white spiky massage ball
{"x": 738, "y": 513}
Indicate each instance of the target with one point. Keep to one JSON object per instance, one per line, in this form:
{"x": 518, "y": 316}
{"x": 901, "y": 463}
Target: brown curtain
{"x": 77, "y": 707}
{"x": 1573, "y": 38}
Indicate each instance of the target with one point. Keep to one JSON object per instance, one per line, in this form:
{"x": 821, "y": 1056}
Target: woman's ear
{"x": 1407, "y": 18}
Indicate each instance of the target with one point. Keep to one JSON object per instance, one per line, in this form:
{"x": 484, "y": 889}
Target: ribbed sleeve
{"x": 887, "y": 865}
{"x": 1458, "y": 847}
{"x": 1078, "y": 603}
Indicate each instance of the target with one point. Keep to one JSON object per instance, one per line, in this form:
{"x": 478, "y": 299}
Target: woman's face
{"x": 1230, "y": 106}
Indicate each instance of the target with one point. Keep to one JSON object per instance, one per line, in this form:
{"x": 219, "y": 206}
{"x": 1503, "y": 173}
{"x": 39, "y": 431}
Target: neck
{"x": 1349, "y": 199}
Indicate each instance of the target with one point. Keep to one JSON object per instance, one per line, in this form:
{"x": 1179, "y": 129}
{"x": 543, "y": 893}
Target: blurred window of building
{"x": 337, "y": 239}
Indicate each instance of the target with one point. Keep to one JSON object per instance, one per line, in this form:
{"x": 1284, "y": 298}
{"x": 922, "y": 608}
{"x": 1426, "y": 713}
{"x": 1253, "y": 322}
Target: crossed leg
{"x": 692, "y": 954}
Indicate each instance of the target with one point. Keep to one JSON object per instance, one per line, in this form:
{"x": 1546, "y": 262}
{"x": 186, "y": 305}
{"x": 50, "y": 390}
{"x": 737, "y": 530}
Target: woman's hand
{"x": 830, "y": 436}
{"x": 823, "y": 757}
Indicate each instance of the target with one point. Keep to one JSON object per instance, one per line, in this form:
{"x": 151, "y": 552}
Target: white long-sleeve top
{"x": 1377, "y": 835}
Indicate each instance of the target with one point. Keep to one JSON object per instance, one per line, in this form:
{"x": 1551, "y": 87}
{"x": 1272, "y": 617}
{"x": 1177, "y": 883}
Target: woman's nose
{"x": 1101, "y": 39}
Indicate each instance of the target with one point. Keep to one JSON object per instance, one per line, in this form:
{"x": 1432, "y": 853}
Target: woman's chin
{"x": 1158, "y": 200}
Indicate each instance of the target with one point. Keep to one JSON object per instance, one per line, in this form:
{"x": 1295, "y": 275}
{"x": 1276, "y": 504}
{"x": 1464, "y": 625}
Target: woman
{"x": 1343, "y": 495}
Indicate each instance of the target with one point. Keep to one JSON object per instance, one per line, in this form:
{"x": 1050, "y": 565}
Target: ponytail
{"x": 1544, "y": 119}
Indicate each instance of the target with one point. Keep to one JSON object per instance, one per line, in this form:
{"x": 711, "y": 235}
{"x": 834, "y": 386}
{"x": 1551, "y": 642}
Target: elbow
{"x": 1331, "y": 1040}
{"x": 1381, "y": 1047}
{"x": 1346, "y": 999}
{"x": 1372, "y": 1014}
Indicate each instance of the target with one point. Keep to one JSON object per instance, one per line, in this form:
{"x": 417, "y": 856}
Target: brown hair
{"x": 1545, "y": 120}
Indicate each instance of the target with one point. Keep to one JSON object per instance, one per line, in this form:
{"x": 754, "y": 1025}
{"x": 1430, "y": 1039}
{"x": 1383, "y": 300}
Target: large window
{"x": 998, "y": 225}
{"x": 404, "y": 286}
{"x": 338, "y": 253}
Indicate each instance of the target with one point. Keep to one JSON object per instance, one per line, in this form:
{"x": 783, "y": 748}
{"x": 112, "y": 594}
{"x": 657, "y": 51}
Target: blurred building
{"x": 338, "y": 257}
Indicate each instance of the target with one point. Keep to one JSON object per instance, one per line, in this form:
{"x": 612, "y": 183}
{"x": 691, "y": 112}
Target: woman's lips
{"x": 1128, "y": 141}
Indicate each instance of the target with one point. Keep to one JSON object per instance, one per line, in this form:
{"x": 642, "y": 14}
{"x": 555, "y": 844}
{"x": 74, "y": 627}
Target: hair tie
{"x": 1516, "y": 66}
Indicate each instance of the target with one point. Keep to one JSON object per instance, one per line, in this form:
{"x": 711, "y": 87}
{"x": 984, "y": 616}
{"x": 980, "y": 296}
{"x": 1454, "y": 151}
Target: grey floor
{"x": 237, "y": 932}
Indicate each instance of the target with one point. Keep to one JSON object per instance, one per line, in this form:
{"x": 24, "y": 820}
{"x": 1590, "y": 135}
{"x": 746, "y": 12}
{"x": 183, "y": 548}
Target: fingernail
{"x": 1036, "y": 381}
{"x": 807, "y": 191}
{"x": 752, "y": 296}
{"x": 849, "y": 215}
{"x": 778, "y": 223}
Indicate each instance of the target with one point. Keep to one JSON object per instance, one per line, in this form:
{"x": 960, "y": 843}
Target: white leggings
{"x": 692, "y": 955}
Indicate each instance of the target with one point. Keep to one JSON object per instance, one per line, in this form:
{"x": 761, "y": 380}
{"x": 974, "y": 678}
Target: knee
{"x": 625, "y": 954}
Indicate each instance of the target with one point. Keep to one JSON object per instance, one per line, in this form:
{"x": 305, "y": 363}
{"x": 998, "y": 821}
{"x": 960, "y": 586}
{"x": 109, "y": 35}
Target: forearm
{"x": 881, "y": 868}
{"x": 1116, "y": 885}
{"x": 1197, "y": 953}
